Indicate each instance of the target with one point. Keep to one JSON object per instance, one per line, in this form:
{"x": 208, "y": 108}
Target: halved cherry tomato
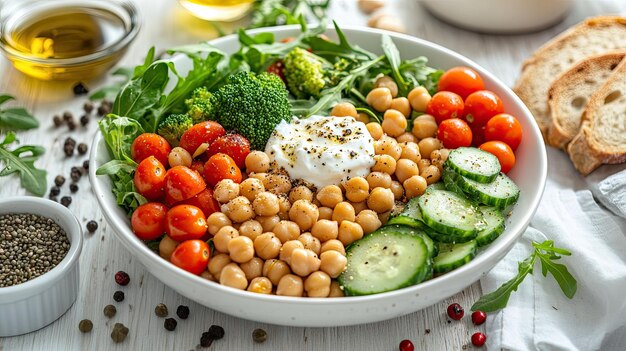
{"x": 480, "y": 106}
{"x": 181, "y": 183}
{"x": 192, "y": 256}
{"x": 150, "y": 144}
{"x": 204, "y": 201}
{"x": 503, "y": 152}
{"x": 148, "y": 221}
{"x": 454, "y": 133}
{"x": 203, "y": 132}
{"x": 278, "y": 68}
{"x": 461, "y": 80}
{"x": 233, "y": 145}
{"x": 505, "y": 128}
{"x": 149, "y": 178}
{"x": 185, "y": 222}
{"x": 445, "y": 105}
{"x": 221, "y": 166}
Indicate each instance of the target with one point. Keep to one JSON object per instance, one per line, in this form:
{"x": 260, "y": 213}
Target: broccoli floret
{"x": 199, "y": 105}
{"x": 253, "y": 105}
{"x": 173, "y": 127}
{"x": 304, "y": 73}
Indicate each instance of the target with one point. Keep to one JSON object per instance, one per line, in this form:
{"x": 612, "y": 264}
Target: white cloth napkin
{"x": 538, "y": 315}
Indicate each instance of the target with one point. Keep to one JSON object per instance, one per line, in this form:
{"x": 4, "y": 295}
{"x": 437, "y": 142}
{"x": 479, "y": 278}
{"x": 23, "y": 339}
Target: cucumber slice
{"x": 500, "y": 193}
{"x": 404, "y": 229}
{"x": 450, "y": 239}
{"x": 383, "y": 261}
{"x": 436, "y": 186}
{"x": 449, "y": 213}
{"x": 410, "y": 215}
{"x": 495, "y": 225}
{"x": 453, "y": 256}
{"x": 474, "y": 164}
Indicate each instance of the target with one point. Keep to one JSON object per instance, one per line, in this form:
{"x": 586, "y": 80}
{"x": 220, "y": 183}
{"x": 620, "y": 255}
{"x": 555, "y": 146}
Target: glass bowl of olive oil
{"x": 66, "y": 39}
{"x": 218, "y": 10}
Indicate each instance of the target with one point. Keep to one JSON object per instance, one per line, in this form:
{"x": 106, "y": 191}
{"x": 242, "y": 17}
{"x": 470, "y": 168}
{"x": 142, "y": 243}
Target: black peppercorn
{"x": 161, "y": 310}
{"x": 73, "y": 187}
{"x": 55, "y": 190}
{"x": 170, "y": 324}
{"x": 88, "y": 106}
{"x": 110, "y": 311}
{"x": 92, "y": 226}
{"x": 80, "y": 89}
{"x": 70, "y": 141}
{"x": 67, "y": 115}
{"x": 118, "y": 296}
{"x": 86, "y": 165}
{"x": 54, "y": 198}
{"x": 119, "y": 333}
{"x": 57, "y": 120}
{"x": 215, "y": 333}
{"x": 84, "y": 120}
{"x": 71, "y": 124}
{"x": 259, "y": 335}
{"x": 59, "y": 180}
{"x": 104, "y": 109}
{"x": 68, "y": 149}
{"x": 205, "y": 340}
{"x": 75, "y": 174}
{"x": 85, "y": 326}
{"x": 182, "y": 312}
{"x": 66, "y": 201}
{"x": 82, "y": 148}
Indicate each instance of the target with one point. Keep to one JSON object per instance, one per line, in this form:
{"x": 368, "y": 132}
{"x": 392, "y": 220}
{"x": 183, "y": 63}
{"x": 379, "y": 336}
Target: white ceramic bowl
{"x": 32, "y": 305}
{"x": 529, "y": 174}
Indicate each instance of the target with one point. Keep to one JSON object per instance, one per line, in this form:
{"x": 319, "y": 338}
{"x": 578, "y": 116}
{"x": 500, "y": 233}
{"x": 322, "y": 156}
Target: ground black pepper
{"x": 170, "y": 324}
{"x": 59, "y": 180}
{"x": 85, "y": 326}
{"x": 161, "y": 310}
{"x": 259, "y": 335}
{"x": 66, "y": 201}
{"x": 119, "y": 333}
{"x": 82, "y": 148}
{"x": 182, "y": 312}
{"x": 118, "y": 296}
{"x": 92, "y": 226}
{"x": 110, "y": 311}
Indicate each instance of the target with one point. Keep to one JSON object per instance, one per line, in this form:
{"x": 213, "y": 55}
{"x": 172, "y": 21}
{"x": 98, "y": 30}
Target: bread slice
{"x": 593, "y": 36}
{"x": 602, "y": 135}
{"x": 570, "y": 92}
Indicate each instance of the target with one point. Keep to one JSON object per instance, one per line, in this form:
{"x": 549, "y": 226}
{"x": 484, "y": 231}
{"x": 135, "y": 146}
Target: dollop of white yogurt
{"x": 322, "y": 150}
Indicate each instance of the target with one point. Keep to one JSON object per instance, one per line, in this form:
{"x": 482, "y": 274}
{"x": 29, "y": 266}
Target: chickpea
{"x": 428, "y": 145}
{"x": 384, "y": 217}
{"x": 239, "y": 209}
{"x": 287, "y": 250}
{"x": 179, "y": 157}
{"x": 216, "y": 221}
{"x": 260, "y": 285}
{"x": 277, "y": 183}
{"x": 233, "y": 276}
{"x": 431, "y": 174}
{"x": 419, "y": 98}
{"x": 343, "y": 212}
{"x": 333, "y": 245}
{"x": 424, "y": 126}
{"x": 251, "y": 187}
{"x": 267, "y": 246}
{"x": 329, "y": 196}
{"x": 251, "y": 229}
{"x": 283, "y": 206}
{"x": 415, "y": 186}
{"x": 241, "y": 249}
{"x": 359, "y": 206}
{"x": 422, "y": 164}
{"x": 380, "y": 200}
{"x": 335, "y": 290}
{"x": 378, "y": 179}
{"x": 379, "y": 99}
{"x": 406, "y": 137}
{"x": 252, "y": 268}
{"x": 257, "y": 162}
{"x": 275, "y": 269}
{"x": 368, "y": 220}
{"x": 394, "y": 123}
{"x": 290, "y": 285}
{"x": 304, "y": 262}
{"x": 310, "y": 242}
{"x": 266, "y": 204}
{"x": 167, "y": 245}
{"x": 223, "y": 237}
{"x": 325, "y": 213}
{"x": 344, "y": 109}
{"x": 286, "y": 230}
{"x": 217, "y": 263}
{"x": 387, "y": 82}
{"x": 363, "y": 117}
{"x": 260, "y": 176}
{"x": 388, "y": 146}
{"x": 208, "y": 276}
{"x": 375, "y": 129}
{"x": 406, "y": 169}
{"x": 410, "y": 151}
{"x": 325, "y": 230}
{"x": 369, "y": 6}
{"x": 317, "y": 284}
{"x": 300, "y": 192}
{"x": 268, "y": 223}
{"x": 349, "y": 232}
{"x": 385, "y": 164}
{"x": 438, "y": 157}
{"x": 333, "y": 263}
{"x": 402, "y": 105}
{"x": 304, "y": 213}
{"x": 397, "y": 189}
{"x": 357, "y": 189}
{"x": 226, "y": 190}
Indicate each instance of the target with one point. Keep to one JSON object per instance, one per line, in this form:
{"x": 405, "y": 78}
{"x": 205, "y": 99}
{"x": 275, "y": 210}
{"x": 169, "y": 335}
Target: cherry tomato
{"x": 278, "y": 68}
{"x": 461, "y": 80}
{"x": 454, "y": 133}
{"x": 233, "y": 145}
{"x": 503, "y": 152}
{"x": 198, "y": 166}
{"x": 203, "y": 132}
{"x": 445, "y": 105}
{"x": 221, "y": 166}
{"x": 204, "y": 201}
{"x": 182, "y": 183}
{"x": 150, "y": 144}
{"x": 480, "y": 106}
{"x": 148, "y": 221}
{"x": 185, "y": 222}
{"x": 149, "y": 178}
{"x": 505, "y": 128}
{"x": 192, "y": 256}
{"x": 478, "y": 135}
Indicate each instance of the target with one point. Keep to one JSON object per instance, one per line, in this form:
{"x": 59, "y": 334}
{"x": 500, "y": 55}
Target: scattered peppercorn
{"x": 182, "y": 312}
{"x": 80, "y": 89}
{"x": 75, "y": 174}
{"x": 92, "y": 226}
{"x": 88, "y": 106}
{"x": 53, "y": 198}
{"x": 84, "y": 120}
{"x": 118, "y": 296}
{"x": 170, "y": 324}
{"x": 161, "y": 310}
{"x": 215, "y": 333}
{"x": 71, "y": 124}
{"x": 110, "y": 311}
{"x": 73, "y": 187}
{"x": 427, "y": 331}
{"x": 122, "y": 278}
{"x": 67, "y": 115}
{"x": 85, "y": 326}
{"x": 259, "y": 335}
{"x": 55, "y": 190}
{"x": 82, "y": 148}
{"x": 59, "y": 180}
{"x": 68, "y": 146}
{"x": 104, "y": 108}
{"x": 86, "y": 165}
{"x": 119, "y": 333}
{"x": 57, "y": 120}
{"x": 66, "y": 201}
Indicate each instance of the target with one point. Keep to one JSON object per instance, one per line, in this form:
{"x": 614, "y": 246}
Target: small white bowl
{"x": 38, "y": 302}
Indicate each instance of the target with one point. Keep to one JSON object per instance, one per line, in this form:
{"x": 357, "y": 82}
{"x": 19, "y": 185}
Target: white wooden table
{"x": 167, "y": 24}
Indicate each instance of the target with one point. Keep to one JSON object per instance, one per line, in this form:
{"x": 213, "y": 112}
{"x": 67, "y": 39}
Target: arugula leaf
{"x": 110, "y": 91}
{"x": 16, "y": 118}
{"x": 269, "y": 13}
{"x": 21, "y": 160}
{"x": 119, "y": 133}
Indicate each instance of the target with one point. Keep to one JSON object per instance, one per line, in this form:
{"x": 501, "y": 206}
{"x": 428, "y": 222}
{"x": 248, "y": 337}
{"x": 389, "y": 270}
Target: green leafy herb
{"x": 15, "y": 118}
{"x": 109, "y": 92}
{"x": 21, "y": 160}
{"x": 547, "y": 254}
{"x": 268, "y": 13}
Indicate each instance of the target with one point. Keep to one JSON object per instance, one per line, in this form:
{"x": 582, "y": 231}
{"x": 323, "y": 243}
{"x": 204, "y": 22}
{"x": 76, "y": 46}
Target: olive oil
{"x": 218, "y": 10}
